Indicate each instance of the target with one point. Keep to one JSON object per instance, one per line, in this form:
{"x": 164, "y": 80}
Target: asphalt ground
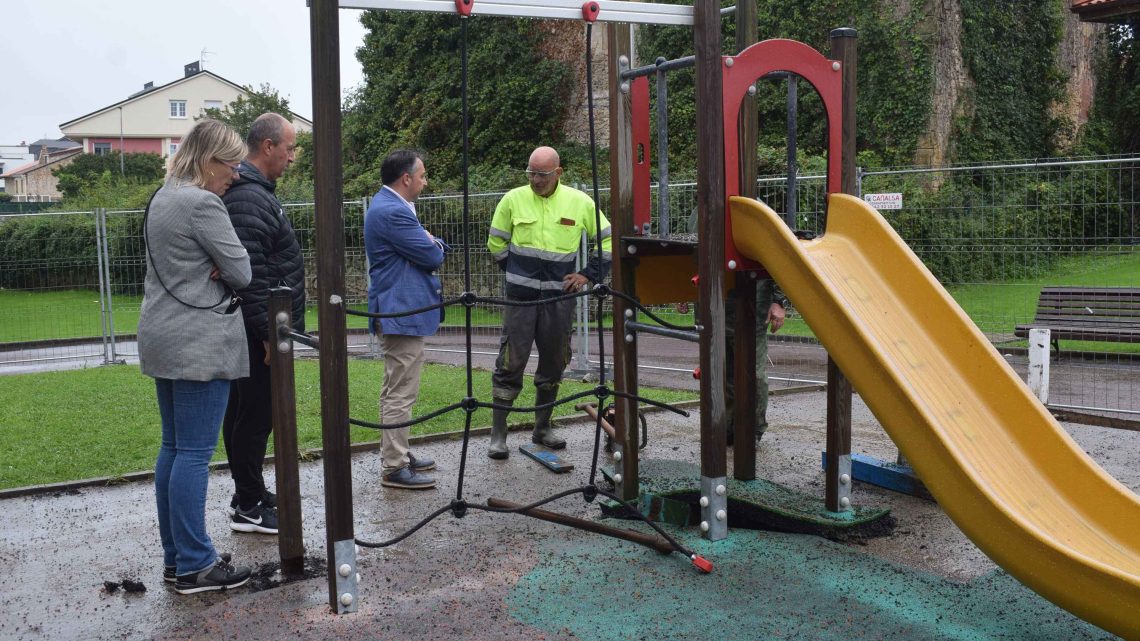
{"x": 489, "y": 576}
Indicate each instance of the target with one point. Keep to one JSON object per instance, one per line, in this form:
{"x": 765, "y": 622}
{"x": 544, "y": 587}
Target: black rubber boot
{"x": 543, "y": 432}
{"x": 498, "y": 447}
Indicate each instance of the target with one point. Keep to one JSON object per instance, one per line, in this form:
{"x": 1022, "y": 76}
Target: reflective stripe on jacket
{"x": 535, "y": 240}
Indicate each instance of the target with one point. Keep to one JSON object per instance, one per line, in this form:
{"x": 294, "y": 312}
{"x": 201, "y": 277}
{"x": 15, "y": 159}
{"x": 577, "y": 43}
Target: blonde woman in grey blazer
{"x": 193, "y": 344}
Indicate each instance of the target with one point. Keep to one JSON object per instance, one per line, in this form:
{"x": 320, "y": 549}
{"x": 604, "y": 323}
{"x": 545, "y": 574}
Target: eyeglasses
{"x": 233, "y": 168}
{"x": 531, "y": 173}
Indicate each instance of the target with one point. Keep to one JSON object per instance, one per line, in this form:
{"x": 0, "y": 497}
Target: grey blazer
{"x": 189, "y": 233}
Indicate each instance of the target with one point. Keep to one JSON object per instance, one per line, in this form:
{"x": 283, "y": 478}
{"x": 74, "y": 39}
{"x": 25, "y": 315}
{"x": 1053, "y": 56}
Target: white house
{"x": 12, "y": 156}
{"x": 155, "y": 119}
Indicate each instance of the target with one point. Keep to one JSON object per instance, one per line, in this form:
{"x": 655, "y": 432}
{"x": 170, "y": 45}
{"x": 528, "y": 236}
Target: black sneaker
{"x": 259, "y": 518}
{"x": 269, "y": 499}
{"x": 168, "y": 570}
{"x": 221, "y": 576}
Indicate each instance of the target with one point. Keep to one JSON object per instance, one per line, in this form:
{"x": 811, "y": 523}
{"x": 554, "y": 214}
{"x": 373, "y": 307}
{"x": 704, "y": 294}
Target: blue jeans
{"x": 191, "y": 420}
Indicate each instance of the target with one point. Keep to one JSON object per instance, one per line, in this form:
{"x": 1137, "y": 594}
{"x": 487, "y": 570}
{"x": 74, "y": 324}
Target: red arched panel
{"x": 740, "y": 73}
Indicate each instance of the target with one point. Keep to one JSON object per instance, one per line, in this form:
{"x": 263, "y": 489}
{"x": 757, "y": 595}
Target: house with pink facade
{"x": 155, "y": 119}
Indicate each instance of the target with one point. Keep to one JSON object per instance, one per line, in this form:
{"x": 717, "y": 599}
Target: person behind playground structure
{"x": 192, "y": 342}
{"x": 771, "y": 308}
{"x": 276, "y": 260}
{"x": 534, "y": 237}
{"x": 403, "y": 258}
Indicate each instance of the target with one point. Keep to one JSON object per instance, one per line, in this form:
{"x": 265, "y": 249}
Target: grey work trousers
{"x": 403, "y": 362}
{"x": 549, "y": 327}
{"x": 764, "y": 294}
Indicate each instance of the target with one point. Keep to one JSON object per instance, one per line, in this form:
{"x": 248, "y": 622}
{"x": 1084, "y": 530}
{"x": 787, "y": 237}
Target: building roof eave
{"x": 1105, "y": 10}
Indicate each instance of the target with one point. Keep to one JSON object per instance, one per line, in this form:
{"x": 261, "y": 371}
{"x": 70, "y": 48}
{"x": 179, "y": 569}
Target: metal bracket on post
{"x": 346, "y": 576}
{"x": 618, "y": 478}
{"x": 844, "y": 492}
{"x": 714, "y": 508}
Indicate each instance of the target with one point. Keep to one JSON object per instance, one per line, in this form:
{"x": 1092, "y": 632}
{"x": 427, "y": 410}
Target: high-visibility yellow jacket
{"x": 535, "y": 240}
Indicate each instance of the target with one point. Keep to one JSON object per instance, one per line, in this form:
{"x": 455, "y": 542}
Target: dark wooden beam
{"x": 710, "y": 216}
{"x": 283, "y": 395}
{"x": 328, "y": 192}
{"x": 843, "y": 49}
{"x": 624, "y": 265}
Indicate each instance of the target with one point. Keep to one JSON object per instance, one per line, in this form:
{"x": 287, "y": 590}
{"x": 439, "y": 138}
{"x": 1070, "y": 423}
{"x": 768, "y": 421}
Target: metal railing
{"x": 71, "y": 282}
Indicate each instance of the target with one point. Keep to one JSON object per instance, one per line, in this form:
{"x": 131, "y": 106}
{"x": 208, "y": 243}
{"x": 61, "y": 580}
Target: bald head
{"x": 544, "y": 170}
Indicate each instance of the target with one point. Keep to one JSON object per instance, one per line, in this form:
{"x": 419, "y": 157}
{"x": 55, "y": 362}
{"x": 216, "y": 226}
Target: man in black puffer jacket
{"x": 276, "y": 259}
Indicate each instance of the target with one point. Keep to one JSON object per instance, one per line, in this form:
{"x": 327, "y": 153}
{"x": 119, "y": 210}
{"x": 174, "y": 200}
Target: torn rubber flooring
{"x": 670, "y": 493}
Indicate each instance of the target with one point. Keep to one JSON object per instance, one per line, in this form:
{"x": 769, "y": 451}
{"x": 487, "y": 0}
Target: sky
{"x": 61, "y": 59}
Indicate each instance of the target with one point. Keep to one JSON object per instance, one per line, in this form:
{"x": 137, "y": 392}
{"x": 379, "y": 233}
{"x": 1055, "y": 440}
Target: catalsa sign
{"x": 884, "y": 201}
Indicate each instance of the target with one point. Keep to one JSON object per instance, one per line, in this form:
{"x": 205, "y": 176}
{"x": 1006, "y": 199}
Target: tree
{"x": 89, "y": 170}
{"x": 241, "y": 113}
{"x": 411, "y": 96}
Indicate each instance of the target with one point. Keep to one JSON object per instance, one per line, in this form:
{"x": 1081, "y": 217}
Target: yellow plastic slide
{"x": 994, "y": 458}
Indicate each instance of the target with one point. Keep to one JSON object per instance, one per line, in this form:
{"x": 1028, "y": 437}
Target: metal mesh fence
{"x": 71, "y": 282}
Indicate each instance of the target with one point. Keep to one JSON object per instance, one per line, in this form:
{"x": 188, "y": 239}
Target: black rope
{"x": 648, "y": 312}
{"x": 530, "y": 303}
{"x": 470, "y": 404}
{"x": 410, "y": 312}
{"x": 597, "y": 239}
{"x": 408, "y": 423}
{"x": 466, "y": 271}
{"x": 303, "y": 339}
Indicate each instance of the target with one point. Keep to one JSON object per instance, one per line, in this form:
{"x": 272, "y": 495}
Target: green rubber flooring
{"x": 773, "y": 586}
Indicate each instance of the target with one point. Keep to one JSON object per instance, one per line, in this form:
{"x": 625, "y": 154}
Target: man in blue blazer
{"x": 402, "y": 259}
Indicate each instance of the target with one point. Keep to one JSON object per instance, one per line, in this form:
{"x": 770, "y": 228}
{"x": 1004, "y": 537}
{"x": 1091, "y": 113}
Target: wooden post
{"x": 328, "y": 190}
{"x": 837, "y": 494}
{"x": 283, "y": 395}
{"x": 744, "y": 360}
{"x": 710, "y": 259}
{"x": 623, "y": 265}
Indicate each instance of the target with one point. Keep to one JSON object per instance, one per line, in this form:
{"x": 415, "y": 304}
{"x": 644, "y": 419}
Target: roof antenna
{"x": 202, "y": 58}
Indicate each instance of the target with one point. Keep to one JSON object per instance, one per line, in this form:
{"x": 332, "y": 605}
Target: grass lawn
{"x": 995, "y": 307}
{"x": 61, "y": 426}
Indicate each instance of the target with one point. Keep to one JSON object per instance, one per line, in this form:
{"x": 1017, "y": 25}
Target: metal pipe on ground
{"x": 649, "y": 541}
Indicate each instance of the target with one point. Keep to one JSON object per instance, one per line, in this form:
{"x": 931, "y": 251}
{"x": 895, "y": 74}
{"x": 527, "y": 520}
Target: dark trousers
{"x": 765, "y": 289}
{"x": 549, "y": 327}
{"x": 247, "y": 425}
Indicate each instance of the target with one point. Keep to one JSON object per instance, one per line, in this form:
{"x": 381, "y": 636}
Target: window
{"x": 177, "y": 108}
{"x": 212, "y": 104}
{"x": 173, "y": 148}
{"x": 101, "y": 148}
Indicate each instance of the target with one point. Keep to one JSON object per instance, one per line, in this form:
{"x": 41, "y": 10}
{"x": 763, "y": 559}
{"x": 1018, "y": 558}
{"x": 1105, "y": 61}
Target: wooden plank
{"x": 328, "y": 180}
{"x": 283, "y": 404}
{"x": 624, "y": 266}
{"x": 844, "y": 49}
{"x": 710, "y": 216}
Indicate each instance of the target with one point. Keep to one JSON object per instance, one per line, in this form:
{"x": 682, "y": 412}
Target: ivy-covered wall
{"x": 894, "y": 77}
{"x": 412, "y": 97}
{"x": 1010, "y": 50}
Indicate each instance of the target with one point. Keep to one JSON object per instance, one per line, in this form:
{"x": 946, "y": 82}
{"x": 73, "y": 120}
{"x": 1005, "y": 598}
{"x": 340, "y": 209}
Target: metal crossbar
{"x": 611, "y": 10}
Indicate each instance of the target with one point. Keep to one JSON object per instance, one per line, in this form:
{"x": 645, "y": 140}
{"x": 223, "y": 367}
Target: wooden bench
{"x": 1107, "y": 314}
